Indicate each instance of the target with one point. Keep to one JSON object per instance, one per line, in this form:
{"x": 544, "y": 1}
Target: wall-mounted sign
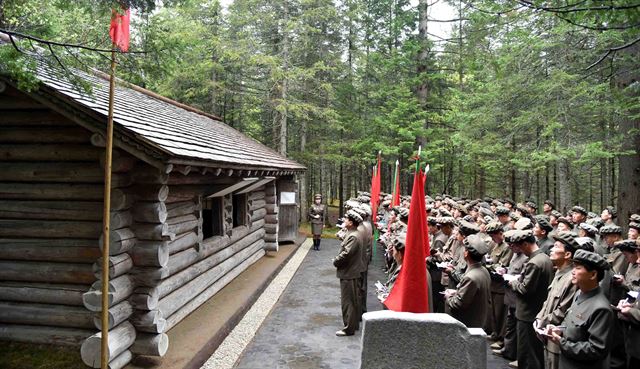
{"x": 287, "y": 198}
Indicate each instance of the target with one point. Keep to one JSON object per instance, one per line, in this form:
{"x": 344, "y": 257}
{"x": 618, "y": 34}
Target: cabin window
{"x": 240, "y": 209}
{"x": 212, "y": 217}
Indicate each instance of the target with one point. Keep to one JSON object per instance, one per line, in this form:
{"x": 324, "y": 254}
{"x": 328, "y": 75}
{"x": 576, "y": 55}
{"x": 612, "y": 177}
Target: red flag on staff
{"x": 410, "y": 294}
{"x": 119, "y": 30}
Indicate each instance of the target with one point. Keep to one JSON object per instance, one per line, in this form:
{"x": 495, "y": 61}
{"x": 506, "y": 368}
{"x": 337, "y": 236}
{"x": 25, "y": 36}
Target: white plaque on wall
{"x": 287, "y": 198}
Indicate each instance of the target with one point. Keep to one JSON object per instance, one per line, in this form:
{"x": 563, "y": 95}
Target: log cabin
{"x": 194, "y": 203}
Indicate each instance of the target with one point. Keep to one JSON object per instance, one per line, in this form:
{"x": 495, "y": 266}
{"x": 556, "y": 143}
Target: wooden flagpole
{"x": 106, "y": 219}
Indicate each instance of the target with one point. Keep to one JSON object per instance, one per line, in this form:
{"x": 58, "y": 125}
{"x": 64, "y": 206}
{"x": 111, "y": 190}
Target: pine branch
{"x": 613, "y": 50}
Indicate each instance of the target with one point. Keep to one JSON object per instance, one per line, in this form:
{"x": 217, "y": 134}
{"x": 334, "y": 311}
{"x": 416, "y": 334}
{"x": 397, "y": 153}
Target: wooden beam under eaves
{"x": 252, "y": 187}
{"x": 236, "y": 186}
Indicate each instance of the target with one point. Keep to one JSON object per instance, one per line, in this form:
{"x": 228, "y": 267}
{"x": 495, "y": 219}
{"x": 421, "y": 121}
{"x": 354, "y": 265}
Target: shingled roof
{"x": 170, "y": 130}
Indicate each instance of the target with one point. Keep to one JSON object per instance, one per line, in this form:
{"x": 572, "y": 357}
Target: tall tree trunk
{"x": 282, "y": 106}
{"x": 564, "y": 185}
{"x": 629, "y": 165}
{"x": 423, "y": 55}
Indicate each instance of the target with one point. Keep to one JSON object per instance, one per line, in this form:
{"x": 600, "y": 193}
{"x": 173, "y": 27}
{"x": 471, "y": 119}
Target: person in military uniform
{"x": 629, "y": 313}
{"x": 578, "y": 215}
{"x": 541, "y": 230}
{"x": 470, "y": 302}
{"x": 458, "y": 265}
{"x": 365, "y": 229}
{"x": 531, "y": 292}
{"x": 445, "y": 228}
{"x": 561, "y": 293}
{"x": 548, "y": 207}
{"x": 497, "y": 263}
{"x": 634, "y": 231}
{"x": 584, "y": 335}
{"x": 630, "y": 281}
{"x": 317, "y": 218}
{"x": 349, "y": 267}
{"x": 608, "y": 215}
{"x": 619, "y": 264}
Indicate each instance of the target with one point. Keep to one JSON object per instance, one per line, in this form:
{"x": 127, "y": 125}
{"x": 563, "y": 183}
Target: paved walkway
{"x": 299, "y": 332}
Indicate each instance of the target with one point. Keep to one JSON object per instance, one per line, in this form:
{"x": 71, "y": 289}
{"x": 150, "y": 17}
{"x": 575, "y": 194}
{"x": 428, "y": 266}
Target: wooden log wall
{"x": 51, "y": 190}
{"x": 271, "y": 217}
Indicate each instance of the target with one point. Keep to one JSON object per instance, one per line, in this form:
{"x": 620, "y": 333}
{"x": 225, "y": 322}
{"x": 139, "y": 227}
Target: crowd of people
{"x": 551, "y": 290}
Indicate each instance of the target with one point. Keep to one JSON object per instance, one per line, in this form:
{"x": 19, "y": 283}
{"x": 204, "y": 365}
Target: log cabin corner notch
{"x": 194, "y": 204}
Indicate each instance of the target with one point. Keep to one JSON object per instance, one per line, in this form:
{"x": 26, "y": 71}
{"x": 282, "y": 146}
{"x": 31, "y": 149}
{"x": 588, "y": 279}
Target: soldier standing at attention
{"x": 585, "y": 340}
{"x": 541, "y": 231}
{"x": 561, "y": 293}
{"x": 349, "y": 268}
{"x": 317, "y": 218}
{"x": 531, "y": 292}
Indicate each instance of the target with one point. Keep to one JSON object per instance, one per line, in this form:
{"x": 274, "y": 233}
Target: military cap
{"x": 400, "y": 241}
{"x": 611, "y": 211}
{"x": 476, "y": 244}
{"x": 565, "y": 221}
{"x": 487, "y": 219}
{"x": 438, "y": 198}
{"x": 444, "y": 212}
{"x": 354, "y": 216}
{"x": 467, "y": 228}
{"x": 486, "y": 212}
{"x": 350, "y": 204}
{"x": 484, "y": 204}
{"x": 635, "y": 218}
{"x": 543, "y": 222}
{"x": 515, "y": 217}
{"x": 531, "y": 204}
{"x": 634, "y": 225}
{"x": 567, "y": 238}
{"x": 363, "y": 199}
{"x": 468, "y": 218}
{"x": 461, "y": 208}
{"x": 509, "y": 201}
{"x": 548, "y": 202}
{"x": 610, "y": 229}
{"x": 589, "y": 228}
{"x": 501, "y": 210}
{"x": 386, "y": 203}
{"x": 626, "y": 245}
{"x": 366, "y": 209}
{"x": 432, "y": 220}
{"x": 589, "y": 258}
{"x": 387, "y": 197}
{"x": 556, "y": 213}
{"x": 518, "y": 235}
{"x": 487, "y": 199}
{"x": 455, "y": 198}
{"x": 579, "y": 209}
{"x": 591, "y": 215}
{"x": 403, "y": 212}
{"x": 596, "y": 222}
{"x": 522, "y": 210}
{"x": 586, "y": 243}
{"x": 496, "y": 203}
{"x": 523, "y": 223}
{"x": 317, "y": 196}
{"x": 494, "y": 227}
{"x": 445, "y": 220}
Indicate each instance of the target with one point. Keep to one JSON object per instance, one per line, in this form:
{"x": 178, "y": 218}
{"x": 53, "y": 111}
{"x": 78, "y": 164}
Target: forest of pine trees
{"x": 526, "y": 99}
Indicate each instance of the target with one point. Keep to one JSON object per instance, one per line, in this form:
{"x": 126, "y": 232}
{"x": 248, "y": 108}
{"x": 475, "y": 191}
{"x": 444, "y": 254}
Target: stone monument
{"x": 416, "y": 341}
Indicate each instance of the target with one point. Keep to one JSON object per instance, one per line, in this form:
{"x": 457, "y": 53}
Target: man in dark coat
{"x": 531, "y": 292}
{"x": 349, "y": 265}
{"x": 585, "y": 340}
{"x": 469, "y": 303}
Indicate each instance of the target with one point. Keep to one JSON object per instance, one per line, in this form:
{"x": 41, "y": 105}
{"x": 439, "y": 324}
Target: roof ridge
{"x": 150, "y": 93}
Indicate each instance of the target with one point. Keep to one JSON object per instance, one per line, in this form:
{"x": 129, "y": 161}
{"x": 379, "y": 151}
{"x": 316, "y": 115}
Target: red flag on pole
{"x": 410, "y": 294}
{"x": 119, "y": 30}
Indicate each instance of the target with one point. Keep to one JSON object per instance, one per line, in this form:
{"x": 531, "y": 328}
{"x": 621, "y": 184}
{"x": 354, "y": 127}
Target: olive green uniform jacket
{"x": 560, "y": 297}
{"x": 586, "y": 341}
{"x": 531, "y": 289}
{"x": 471, "y": 302}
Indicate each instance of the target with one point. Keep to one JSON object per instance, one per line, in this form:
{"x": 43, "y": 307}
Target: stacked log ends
{"x": 271, "y": 218}
{"x": 151, "y": 344}
{"x": 120, "y": 339}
